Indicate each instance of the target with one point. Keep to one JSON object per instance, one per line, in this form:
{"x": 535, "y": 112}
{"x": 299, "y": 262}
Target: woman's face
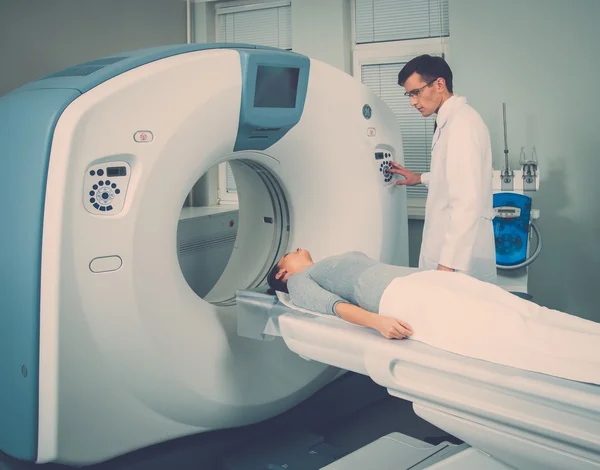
{"x": 292, "y": 262}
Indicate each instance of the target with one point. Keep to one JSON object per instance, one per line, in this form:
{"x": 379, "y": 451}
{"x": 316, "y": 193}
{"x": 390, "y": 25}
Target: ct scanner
{"x": 105, "y": 348}
{"x": 98, "y": 324}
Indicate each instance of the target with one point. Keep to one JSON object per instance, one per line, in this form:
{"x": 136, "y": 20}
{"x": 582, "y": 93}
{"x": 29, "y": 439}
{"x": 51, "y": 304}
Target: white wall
{"x": 542, "y": 58}
{"x": 322, "y": 30}
{"x": 38, "y": 37}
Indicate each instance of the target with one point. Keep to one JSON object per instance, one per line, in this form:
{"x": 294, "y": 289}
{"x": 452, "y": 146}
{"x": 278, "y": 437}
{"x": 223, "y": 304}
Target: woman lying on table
{"x": 447, "y": 310}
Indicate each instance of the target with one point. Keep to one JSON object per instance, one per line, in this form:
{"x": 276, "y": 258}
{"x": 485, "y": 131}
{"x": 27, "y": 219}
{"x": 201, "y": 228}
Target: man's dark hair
{"x": 274, "y": 283}
{"x": 429, "y": 67}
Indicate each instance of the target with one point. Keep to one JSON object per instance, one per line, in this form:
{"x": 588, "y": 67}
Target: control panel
{"x": 507, "y": 212}
{"x": 383, "y": 160}
{"x": 105, "y": 186}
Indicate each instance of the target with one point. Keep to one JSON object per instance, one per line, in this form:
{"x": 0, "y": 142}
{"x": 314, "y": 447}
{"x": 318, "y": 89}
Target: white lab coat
{"x": 458, "y": 231}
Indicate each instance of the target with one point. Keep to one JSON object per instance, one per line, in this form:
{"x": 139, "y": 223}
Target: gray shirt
{"x": 351, "y": 277}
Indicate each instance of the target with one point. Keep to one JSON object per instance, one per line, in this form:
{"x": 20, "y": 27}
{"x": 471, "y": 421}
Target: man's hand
{"x": 410, "y": 177}
{"x": 441, "y": 267}
{"x": 392, "y": 328}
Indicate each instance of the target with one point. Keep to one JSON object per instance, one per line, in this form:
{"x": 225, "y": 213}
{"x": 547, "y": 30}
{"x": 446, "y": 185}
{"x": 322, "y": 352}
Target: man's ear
{"x": 280, "y": 274}
{"x": 440, "y": 83}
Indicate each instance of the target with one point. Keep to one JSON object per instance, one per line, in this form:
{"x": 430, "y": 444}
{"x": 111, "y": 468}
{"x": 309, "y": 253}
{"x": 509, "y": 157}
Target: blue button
{"x": 104, "y": 195}
{"x": 107, "y": 182}
{"x": 95, "y": 186}
{"x": 118, "y": 191}
{"x": 92, "y": 193}
{"x": 109, "y": 208}
{"x": 101, "y": 183}
{"x": 92, "y": 200}
{"x": 113, "y": 185}
{"x": 102, "y": 208}
{"x": 92, "y": 173}
{"x": 96, "y": 205}
{"x": 100, "y": 172}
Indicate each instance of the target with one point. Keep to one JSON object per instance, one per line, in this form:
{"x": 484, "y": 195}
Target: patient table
{"x": 510, "y": 418}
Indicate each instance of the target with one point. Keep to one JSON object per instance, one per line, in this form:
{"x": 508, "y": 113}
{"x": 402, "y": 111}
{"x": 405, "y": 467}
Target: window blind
{"x": 416, "y": 131}
{"x": 396, "y": 20}
{"x": 266, "y": 23}
{"x": 230, "y": 183}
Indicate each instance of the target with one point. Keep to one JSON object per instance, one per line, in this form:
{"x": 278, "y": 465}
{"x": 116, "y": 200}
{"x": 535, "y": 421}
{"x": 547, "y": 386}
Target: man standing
{"x": 458, "y": 233}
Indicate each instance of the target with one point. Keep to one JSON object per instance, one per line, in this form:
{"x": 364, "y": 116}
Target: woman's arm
{"x": 305, "y": 292}
{"x": 388, "y": 327}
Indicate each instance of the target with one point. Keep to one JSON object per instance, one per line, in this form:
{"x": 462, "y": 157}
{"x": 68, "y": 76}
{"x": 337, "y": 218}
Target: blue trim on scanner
{"x": 27, "y": 122}
{"x": 259, "y": 128}
{"x": 512, "y": 235}
{"x": 84, "y": 77}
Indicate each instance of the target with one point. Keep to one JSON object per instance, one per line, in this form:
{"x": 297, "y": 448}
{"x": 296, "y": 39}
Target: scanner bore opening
{"x": 224, "y": 248}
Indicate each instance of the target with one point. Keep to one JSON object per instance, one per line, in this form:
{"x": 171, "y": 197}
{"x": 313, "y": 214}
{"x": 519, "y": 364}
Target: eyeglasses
{"x": 415, "y": 93}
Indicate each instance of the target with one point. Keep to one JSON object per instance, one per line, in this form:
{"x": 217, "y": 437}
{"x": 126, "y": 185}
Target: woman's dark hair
{"x": 274, "y": 283}
{"x": 429, "y": 67}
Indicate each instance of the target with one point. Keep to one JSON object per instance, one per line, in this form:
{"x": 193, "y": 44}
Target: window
{"x": 266, "y": 23}
{"x": 400, "y": 20}
{"x": 387, "y": 34}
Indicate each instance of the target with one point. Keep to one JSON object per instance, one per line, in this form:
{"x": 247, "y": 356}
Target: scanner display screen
{"x": 276, "y": 87}
{"x": 116, "y": 171}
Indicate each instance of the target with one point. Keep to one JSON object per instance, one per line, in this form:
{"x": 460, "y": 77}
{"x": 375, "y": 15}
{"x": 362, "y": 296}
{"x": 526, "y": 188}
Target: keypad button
{"x": 100, "y": 172}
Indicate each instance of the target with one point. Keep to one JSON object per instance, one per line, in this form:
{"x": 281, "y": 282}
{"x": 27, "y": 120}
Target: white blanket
{"x": 459, "y": 314}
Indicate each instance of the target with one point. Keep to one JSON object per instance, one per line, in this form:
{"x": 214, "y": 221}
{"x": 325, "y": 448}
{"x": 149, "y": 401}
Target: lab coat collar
{"x": 446, "y": 109}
